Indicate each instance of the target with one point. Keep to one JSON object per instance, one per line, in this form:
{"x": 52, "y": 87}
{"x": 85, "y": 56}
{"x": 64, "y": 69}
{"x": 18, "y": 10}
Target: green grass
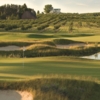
{"x": 32, "y": 37}
{"x": 12, "y": 68}
{"x": 10, "y": 36}
{"x": 54, "y": 77}
{"x": 84, "y": 37}
{"x": 87, "y": 39}
{"x": 59, "y": 78}
{"x": 58, "y": 69}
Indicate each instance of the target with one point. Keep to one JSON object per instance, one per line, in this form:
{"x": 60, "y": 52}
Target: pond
{"x": 95, "y": 56}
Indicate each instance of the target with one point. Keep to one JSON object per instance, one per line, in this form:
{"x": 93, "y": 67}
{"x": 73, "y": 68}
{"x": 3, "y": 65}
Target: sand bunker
{"x": 70, "y": 45}
{"x": 15, "y": 95}
{"x": 10, "y": 48}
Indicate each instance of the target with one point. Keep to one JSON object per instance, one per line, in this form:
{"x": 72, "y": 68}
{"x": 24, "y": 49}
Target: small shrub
{"x": 57, "y": 27}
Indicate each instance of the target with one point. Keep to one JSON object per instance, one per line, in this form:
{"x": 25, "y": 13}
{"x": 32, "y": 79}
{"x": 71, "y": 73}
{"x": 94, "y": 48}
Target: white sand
{"x": 70, "y": 45}
{"x": 9, "y": 48}
{"x": 15, "y": 95}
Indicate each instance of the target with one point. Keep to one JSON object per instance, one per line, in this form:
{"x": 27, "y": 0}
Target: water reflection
{"x": 95, "y": 56}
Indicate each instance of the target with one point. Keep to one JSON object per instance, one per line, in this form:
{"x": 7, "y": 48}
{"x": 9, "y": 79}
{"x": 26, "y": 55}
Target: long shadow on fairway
{"x": 76, "y": 35}
{"x": 40, "y": 36}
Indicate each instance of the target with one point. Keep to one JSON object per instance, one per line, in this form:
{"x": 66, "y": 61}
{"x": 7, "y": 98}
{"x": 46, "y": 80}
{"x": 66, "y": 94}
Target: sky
{"x": 67, "y": 6}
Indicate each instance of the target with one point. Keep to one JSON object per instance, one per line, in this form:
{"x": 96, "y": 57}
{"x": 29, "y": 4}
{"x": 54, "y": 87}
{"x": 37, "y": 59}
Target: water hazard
{"x": 95, "y": 56}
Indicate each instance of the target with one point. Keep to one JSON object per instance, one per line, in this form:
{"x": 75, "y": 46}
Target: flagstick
{"x": 23, "y": 56}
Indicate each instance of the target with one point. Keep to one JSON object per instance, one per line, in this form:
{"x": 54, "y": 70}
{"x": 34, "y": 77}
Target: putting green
{"x": 13, "y": 69}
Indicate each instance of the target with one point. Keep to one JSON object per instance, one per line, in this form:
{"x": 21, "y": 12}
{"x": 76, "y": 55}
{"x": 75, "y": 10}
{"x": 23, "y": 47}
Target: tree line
{"x": 12, "y": 11}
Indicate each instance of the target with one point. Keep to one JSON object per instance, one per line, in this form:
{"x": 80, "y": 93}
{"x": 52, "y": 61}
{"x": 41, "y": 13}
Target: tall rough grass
{"x": 56, "y": 89}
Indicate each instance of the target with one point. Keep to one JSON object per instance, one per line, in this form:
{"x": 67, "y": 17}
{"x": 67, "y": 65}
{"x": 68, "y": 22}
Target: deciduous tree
{"x": 48, "y": 8}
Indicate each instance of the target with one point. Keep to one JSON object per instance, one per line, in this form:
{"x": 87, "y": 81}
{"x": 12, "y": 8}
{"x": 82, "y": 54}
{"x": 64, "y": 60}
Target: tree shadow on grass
{"x": 40, "y": 36}
{"x": 76, "y": 35}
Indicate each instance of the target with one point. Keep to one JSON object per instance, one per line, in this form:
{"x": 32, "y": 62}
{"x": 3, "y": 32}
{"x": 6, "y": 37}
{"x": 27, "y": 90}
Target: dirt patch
{"x": 15, "y": 95}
